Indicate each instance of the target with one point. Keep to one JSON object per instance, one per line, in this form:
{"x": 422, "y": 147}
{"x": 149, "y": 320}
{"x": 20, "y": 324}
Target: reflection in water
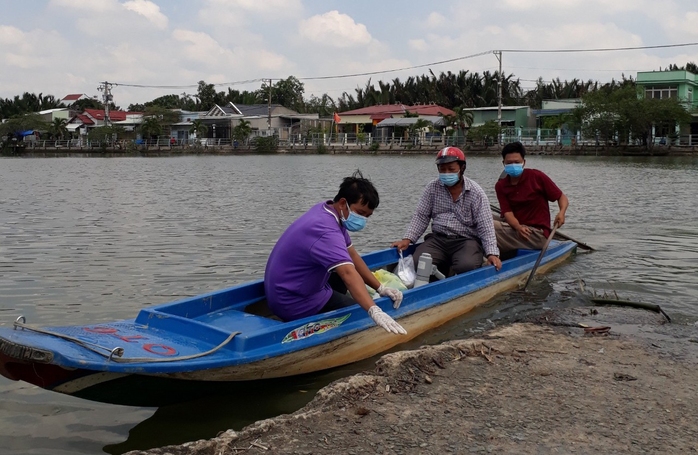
{"x": 89, "y": 240}
{"x": 204, "y": 418}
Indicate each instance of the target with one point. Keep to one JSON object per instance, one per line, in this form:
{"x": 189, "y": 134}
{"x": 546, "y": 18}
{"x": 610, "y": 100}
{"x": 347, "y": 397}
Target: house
{"x": 274, "y": 118}
{"x": 371, "y": 116}
{"x": 49, "y": 115}
{"x": 181, "y": 130}
{"x": 219, "y": 121}
{"x": 555, "y": 108}
{"x": 94, "y": 118}
{"x": 69, "y": 100}
{"x": 264, "y": 119}
{"x": 512, "y": 116}
{"x": 679, "y": 84}
{"x": 391, "y": 128}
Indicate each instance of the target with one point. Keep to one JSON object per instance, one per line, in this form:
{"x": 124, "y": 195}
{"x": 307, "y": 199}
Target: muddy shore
{"x": 627, "y": 383}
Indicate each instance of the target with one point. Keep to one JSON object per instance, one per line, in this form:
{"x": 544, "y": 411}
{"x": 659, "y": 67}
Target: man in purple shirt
{"x": 313, "y": 263}
{"x": 461, "y": 219}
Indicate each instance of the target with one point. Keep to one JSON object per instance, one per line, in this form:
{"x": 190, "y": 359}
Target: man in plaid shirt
{"x": 461, "y": 219}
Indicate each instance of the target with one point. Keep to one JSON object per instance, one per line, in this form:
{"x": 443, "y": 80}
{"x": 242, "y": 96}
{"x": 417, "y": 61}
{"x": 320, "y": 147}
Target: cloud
{"x": 418, "y": 44}
{"x": 436, "y": 20}
{"x": 68, "y": 46}
{"x": 680, "y": 26}
{"x": 202, "y": 48}
{"x": 334, "y": 29}
{"x": 27, "y": 50}
{"x": 273, "y": 7}
{"x": 199, "y": 46}
{"x": 595, "y": 6}
{"x": 243, "y": 12}
{"x": 97, "y": 6}
{"x": 149, "y": 10}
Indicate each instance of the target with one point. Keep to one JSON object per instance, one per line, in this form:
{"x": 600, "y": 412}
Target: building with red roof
{"x": 69, "y": 100}
{"x": 372, "y": 115}
{"x": 94, "y": 118}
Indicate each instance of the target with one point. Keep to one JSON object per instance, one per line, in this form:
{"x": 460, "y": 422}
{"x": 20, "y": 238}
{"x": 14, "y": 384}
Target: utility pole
{"x": 105, "y": 88}
{"x": 498, "y": 54}
{"x": 269, "y": 111}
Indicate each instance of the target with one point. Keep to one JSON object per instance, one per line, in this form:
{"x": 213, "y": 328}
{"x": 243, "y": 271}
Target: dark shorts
{"x": 451, "y": 254}
{"x": 339, "y": 298}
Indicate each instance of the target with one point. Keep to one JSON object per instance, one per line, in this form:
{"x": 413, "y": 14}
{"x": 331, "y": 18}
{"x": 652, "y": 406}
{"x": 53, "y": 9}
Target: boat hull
{"x": 364, "y": 344}
{"x": 307, "y": 355}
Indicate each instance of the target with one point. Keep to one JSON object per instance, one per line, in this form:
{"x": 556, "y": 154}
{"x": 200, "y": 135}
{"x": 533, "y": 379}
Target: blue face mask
{"x": 354, "y": 222}
{"x": 449, "y": 179}
{"x": 513, "y": 169}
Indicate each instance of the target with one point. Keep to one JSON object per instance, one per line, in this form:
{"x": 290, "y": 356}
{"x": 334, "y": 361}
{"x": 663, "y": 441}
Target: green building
{"x": 512, "y": 116}
{"x": 674, "y": 84}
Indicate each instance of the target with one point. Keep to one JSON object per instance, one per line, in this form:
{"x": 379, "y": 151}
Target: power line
{"x": 575, "y": 69}
{"x": 192, "y": 85}
{"x": 599, "y": 49}
{"x": 371, "y": 73}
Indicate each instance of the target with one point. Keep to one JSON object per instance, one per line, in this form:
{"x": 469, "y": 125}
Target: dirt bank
{"x": 543, "y": 386}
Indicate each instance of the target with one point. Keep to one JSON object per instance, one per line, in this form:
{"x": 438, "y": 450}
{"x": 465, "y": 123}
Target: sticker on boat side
{"x": 313, "y": 328}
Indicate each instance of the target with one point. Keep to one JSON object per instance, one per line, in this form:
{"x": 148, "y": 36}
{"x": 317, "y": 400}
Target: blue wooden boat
{"x": 230, "y": 336}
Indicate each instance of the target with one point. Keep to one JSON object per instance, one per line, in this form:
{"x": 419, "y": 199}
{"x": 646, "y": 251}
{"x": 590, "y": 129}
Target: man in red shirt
{"x": 523, "y": 198}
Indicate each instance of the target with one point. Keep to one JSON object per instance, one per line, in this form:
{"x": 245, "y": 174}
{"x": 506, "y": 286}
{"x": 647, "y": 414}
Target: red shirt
{"x": 528, "y": 199}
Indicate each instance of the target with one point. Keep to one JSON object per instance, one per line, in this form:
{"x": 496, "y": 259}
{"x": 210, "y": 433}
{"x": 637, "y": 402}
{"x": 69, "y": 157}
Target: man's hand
{"x": 494, "y": 260}
{"x": 524, "y": 232}
{"x": 559, "y": 219}
{"x": 394, "y": 294}
{"x": 383, "y": 320}
{"x": 401, "y": 245}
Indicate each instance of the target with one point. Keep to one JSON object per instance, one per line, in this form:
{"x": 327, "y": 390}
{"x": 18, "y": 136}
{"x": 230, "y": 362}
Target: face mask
{"x": 449, "y": 179}
{"x": 354, "y": 222}
{"x": 513, "y": 169}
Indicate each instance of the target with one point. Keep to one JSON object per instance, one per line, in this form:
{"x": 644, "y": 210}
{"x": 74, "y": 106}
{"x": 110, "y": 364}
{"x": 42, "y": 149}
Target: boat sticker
{"x": 313, "y": 328}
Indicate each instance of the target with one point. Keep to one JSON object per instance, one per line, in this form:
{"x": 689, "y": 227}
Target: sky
{"x": 60, "y": 47}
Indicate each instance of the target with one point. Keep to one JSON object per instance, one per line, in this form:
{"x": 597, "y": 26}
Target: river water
{"x": 90, "y": 240}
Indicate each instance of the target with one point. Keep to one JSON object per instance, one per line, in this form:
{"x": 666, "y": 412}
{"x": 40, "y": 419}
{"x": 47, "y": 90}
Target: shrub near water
{"x": 266, "y": 144}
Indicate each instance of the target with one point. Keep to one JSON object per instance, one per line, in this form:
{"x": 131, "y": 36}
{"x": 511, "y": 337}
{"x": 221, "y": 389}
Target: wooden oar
{"x": 581, "y": 245}
{"x": 540, "y": 256}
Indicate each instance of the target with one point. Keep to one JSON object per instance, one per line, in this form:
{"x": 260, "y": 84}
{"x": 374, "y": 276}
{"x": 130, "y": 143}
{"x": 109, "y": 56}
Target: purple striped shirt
{"x": 469, "y": 216}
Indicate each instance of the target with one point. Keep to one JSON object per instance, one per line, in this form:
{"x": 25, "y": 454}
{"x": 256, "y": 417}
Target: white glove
{"x": 383, "y": 320}
{"x": 394, "y": 294}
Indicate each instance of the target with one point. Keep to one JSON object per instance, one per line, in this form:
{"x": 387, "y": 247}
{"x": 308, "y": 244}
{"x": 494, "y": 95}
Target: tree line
{"x": 456, "y": 91}
{"x": 463, "y": 89}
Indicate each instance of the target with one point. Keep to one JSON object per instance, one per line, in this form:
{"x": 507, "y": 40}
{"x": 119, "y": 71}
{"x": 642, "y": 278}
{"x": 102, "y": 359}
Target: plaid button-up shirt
{"x": 469, "y": 216}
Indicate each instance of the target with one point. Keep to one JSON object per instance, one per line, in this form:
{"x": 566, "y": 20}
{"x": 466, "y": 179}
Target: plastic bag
{"x": 387, "y": 279}
{"x": 405, "y": 270}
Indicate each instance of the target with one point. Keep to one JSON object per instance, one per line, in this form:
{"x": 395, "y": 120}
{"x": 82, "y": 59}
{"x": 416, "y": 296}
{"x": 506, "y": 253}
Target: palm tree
{"x": 242, "y": 130}
{"x": 150, "y": 127}
{"x": 419, "y": 126}
{"x": 198, "y": 128}
{"x": 464, "y": 118}
{"x": 58, "y": 128}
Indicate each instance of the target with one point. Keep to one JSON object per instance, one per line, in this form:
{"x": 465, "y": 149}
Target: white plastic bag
{"x": 405, "y": 270}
